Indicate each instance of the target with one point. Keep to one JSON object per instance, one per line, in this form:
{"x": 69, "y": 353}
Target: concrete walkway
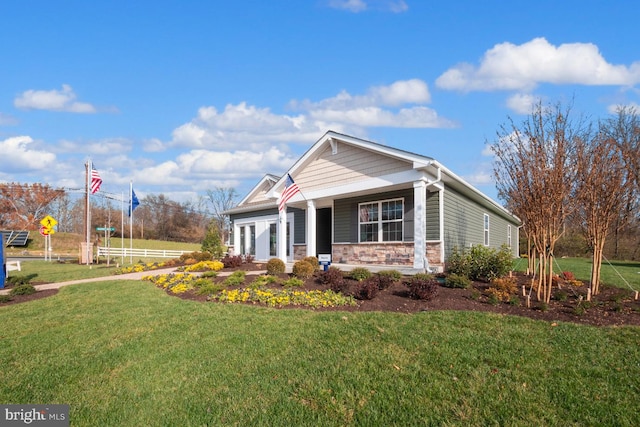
{"x": 128, "y": 276}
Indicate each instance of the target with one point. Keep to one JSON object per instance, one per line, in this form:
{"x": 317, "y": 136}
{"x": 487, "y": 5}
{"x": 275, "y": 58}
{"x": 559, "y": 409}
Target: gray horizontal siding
{"x": 464, "y": 223}
{"x": 433, "y": 217}
{"x": 345, "y": 214}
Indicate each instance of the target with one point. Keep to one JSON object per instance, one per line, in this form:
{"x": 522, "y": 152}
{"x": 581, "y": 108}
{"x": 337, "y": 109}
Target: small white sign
{"x": 324, "y": 257}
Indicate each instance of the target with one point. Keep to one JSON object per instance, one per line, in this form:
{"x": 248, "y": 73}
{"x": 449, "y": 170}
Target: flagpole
{"x": 131, "y": 222}
{"x": 88, "y": 209}
{"x": 122, "y": 224}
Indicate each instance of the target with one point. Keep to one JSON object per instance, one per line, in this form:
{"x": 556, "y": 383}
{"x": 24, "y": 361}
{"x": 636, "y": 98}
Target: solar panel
{"x": 15, "y": 238}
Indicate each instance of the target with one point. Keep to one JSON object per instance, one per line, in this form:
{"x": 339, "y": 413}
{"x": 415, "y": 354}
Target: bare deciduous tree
{"x": 535, "y": 172}
{"x": 23, "y": 205}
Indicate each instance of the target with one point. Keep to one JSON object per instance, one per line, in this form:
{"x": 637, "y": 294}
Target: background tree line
{"x": 22, "y": 206}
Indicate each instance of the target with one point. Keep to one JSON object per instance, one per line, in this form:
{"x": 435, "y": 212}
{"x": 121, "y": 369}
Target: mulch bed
{"x": 612, "y": 307}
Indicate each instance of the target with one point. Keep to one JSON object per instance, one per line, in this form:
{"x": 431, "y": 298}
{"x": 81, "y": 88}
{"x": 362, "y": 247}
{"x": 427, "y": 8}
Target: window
{"x": 486, "y": 230}
{"x": 509, "y": 235}
{"x": 242, "y": 242}
{"x": 252, "y": 240}
{"x": 273, "y": 239}
{"x": 381, "y": 221}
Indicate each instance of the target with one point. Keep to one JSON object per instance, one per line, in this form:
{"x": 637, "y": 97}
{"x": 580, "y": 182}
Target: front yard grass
{"x": 125, "y": 353}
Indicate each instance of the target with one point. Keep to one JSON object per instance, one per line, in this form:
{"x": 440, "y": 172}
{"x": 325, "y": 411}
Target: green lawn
{"x": 123, "y": 353}
{"x": 622, "y": 274}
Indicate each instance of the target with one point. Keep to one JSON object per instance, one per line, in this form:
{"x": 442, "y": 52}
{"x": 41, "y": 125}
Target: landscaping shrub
{"x": 196, "y": 257}
{"x": 209, "y": 289}
{"x": 5, "y": 298}
{"x": 423, "y": 276}
{"x": 366, "y": 289}
{"x": 386, "y": 278}
{"x": 232, "y": 261}
{"x": 334, "y": 278}
{"x": 293, "y": 282}
{"x": 457, "y": 281}
{"x": 235, "y": 279}
{"x": 360, "y": 274}
{"x": 501, "y": 289}
{"x": 19, "y": 280}
{"x": 262, "y": 281}
{"x": 480, "y": 262}
{"x": 423, "y": 289}
{"x": 23, "y": 290}
{"x": 248, "y": 258}
{"x": 210, "y": 274}
{"x": 313, "y": 261}
{"x": 568, "y": 276}
{"x": 275, "y": 266}
{"x": 205, "y": 266}
{"x": 303, "y": 270}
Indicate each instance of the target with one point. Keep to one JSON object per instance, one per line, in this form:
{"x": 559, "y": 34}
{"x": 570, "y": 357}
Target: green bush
{"x": 457, "y": 281}
{"x": 23, "y": 290}
{"x": 303, "y": 270}
{"x": 210, "y": 289}
{"x": 235, "y": 279}
{"x": 275, "y": 266}
{"x": 360, "y": 274}
{"x": 480, "y": 262}
{"x": 209, "y": 274}
{"x": 5, "y": 298}
{"x": 293, "y": 282}
{"x": 19, "y": 280}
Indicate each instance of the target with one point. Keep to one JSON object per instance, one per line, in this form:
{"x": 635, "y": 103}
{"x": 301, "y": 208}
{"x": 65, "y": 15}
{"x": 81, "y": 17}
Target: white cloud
{"x": 350, "y": 5}
{"x": 18, "y": 156}
{"x": 381, "y": 106}
{"x": 613, "y": 109}
{"x": 356, "y": 6}
{"x": 53, "y": 100}
{"x": 523, "y": 103}
{"x": 521, "y": 67}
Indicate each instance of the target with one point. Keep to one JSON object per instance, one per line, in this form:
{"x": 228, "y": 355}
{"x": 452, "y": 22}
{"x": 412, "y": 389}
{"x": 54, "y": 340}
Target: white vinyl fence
{"x": 139, "y": 253}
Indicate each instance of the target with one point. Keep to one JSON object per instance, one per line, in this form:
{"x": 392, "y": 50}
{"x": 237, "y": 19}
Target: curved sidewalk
{"x": 129, "y": 276}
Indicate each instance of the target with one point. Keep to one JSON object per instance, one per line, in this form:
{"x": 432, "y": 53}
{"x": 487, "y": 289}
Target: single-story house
{"x": 366, "y": 203}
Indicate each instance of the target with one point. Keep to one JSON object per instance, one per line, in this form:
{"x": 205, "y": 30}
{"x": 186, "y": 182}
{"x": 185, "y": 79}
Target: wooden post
{"x": 528, "y": 301}
{"x": 589, "y": 294}
{"x": 636, "y": 297}
{"x": 524, "y": 292}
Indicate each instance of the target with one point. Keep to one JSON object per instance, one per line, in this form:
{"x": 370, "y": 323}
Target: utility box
{"x": 86, "y": 255}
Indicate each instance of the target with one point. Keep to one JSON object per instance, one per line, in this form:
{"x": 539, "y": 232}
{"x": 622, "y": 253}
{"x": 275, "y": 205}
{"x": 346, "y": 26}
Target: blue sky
{"x": 183, "y": 96}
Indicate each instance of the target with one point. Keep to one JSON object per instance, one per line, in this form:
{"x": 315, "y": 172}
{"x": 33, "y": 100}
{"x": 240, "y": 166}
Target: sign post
{"x": 48, "y": 223}
{"x": 324, "y": 260}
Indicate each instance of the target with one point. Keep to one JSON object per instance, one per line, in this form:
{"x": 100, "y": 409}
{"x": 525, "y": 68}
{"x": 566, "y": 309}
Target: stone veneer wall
{"x": 387, "y": 253}
{"x": 299, "y": 252}
{"x": 372, "y": 253}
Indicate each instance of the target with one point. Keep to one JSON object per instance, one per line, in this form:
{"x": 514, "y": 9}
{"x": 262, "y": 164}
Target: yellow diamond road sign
{"x": 48, "y": 222}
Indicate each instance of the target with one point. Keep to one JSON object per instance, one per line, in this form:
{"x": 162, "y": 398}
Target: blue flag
{"x": 134, "y": 202}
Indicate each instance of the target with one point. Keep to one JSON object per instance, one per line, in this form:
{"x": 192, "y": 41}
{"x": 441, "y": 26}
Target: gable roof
{"x": 333, "y": 140}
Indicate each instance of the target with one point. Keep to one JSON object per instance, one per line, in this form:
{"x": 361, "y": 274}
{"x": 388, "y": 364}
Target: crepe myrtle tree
{"x": 535, "y": 173}
{"x": 606, "y": 184}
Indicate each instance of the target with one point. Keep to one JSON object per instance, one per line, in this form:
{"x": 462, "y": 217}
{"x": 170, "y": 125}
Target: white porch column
{"x": 282, "y": 235}
{"x": 419, "y": 224}
{"x": 311, "y": 228}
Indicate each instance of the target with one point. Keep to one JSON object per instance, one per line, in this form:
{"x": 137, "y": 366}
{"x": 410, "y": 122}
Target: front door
{"x": 323, "y": 231}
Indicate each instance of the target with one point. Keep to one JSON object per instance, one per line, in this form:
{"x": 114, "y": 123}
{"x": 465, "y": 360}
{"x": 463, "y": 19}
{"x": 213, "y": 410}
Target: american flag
{"x": 96, "y": 181}
{"x": 290, "y": 190}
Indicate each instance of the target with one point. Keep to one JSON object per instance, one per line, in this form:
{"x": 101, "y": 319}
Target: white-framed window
{"x": 381, "y": 221}
{"x": 486, "y": 229}
{"x": 509, "y": 235}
